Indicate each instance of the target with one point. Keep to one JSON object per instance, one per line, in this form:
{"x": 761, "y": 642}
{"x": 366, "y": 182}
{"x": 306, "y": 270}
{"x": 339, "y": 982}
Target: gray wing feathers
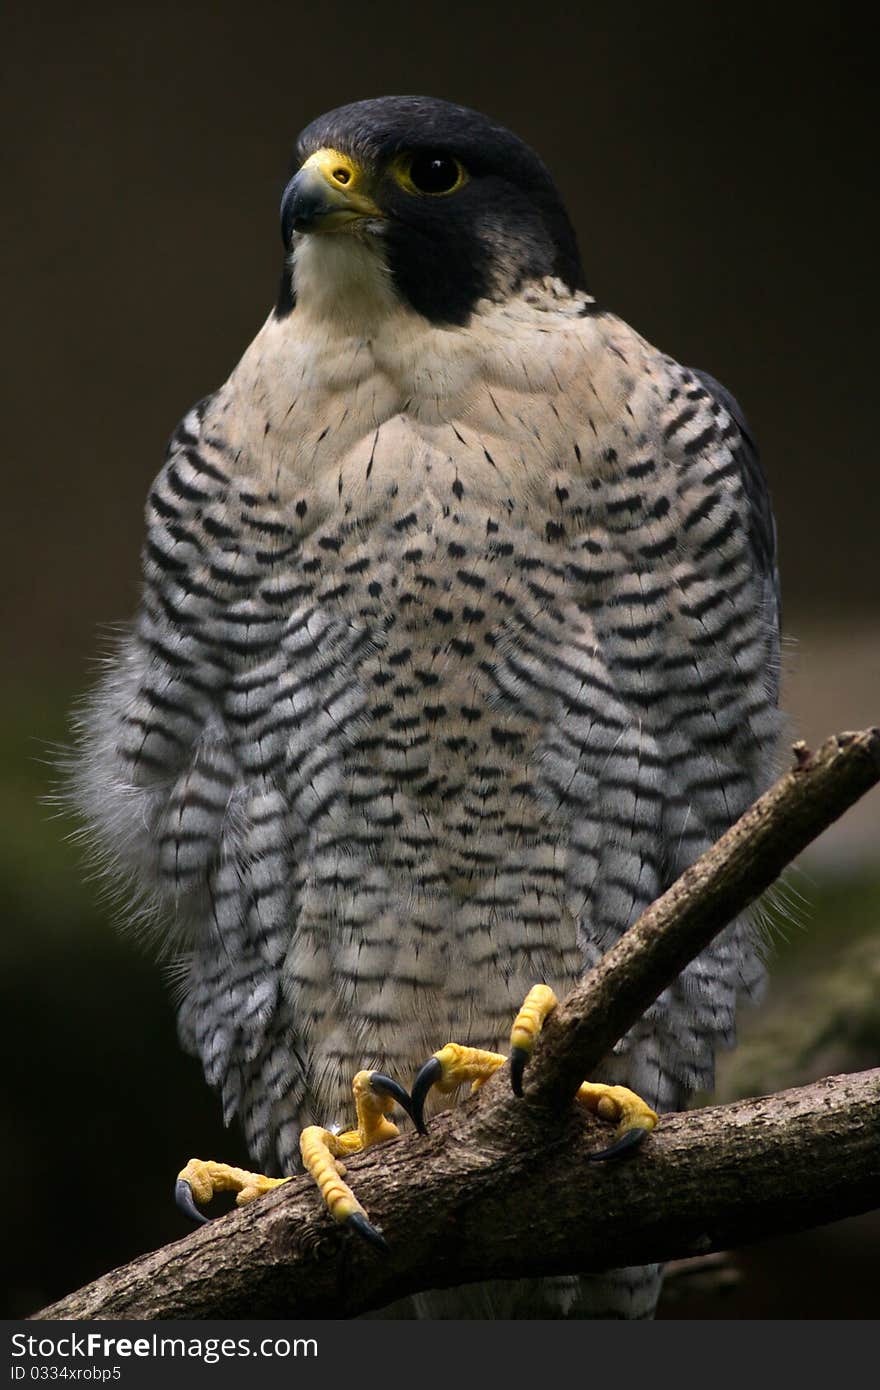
{"x": 183, "y": 783}
{"x": 762, "y": 523}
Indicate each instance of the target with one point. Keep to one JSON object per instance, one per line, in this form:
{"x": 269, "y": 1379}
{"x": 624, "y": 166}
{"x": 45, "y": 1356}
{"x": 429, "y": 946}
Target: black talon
{"x": 630, "y": 1140}
{"x": 518, "y": 1059}
{"x": 430, "y": 1072}
{"x": 387, "y": 1086}
{"x": 183, "y": 1196}
{"x": 358, "y": 1222}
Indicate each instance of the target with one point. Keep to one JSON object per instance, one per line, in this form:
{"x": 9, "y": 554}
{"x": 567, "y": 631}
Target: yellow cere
{"x": 345, "y": 185}
{"x": 339, "y": 169}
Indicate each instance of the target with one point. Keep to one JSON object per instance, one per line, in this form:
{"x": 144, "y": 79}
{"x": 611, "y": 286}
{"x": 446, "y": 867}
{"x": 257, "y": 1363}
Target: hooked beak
{"x": 327, "y": 195}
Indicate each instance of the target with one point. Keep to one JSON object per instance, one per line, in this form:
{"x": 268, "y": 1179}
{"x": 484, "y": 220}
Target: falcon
{"x": 458, "y": 643}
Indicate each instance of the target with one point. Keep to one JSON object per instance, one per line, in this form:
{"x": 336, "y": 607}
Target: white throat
{"x": 342, "y": 280}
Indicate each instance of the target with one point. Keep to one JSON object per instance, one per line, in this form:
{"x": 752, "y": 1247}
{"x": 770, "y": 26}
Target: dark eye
{"x": 436, "y": 173}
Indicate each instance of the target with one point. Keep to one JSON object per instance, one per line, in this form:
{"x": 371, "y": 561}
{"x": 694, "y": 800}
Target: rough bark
{"x": 501, "y": 1188}
{"x": 505, "y": 1198}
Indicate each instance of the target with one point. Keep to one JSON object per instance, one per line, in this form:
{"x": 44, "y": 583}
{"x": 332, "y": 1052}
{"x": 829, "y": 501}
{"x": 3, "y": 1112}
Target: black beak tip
{"x": 301, "y": 207}
{"x": 305, "y": 218}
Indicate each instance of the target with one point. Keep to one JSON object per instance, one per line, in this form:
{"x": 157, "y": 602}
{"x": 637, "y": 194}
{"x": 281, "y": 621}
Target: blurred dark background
{"x": 719, "y": 165}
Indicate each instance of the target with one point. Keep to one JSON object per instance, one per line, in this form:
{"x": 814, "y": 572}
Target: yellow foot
{"x": 538, "y": 1003}
{"x": 635, "y": 1119}
{"x": 201, "y": 1178}
{"x": 447, "y": 1070}
{"x": 455, "y": 1064}
{"x": 321, "y": 1150}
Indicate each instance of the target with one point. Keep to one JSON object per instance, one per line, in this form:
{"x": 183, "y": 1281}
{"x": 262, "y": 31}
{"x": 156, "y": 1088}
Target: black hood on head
{"x": 506, "y": 226}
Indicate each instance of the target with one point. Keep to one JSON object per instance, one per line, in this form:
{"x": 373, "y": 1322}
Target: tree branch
{"x": 452, "y": 1208}
{"x": 451, "y": 1205}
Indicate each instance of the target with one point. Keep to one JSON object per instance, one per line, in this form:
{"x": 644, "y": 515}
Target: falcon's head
{"x": 449, "y": 205}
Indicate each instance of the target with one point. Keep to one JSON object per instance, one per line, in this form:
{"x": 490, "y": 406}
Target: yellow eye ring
{"x": 429, "y": 173}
